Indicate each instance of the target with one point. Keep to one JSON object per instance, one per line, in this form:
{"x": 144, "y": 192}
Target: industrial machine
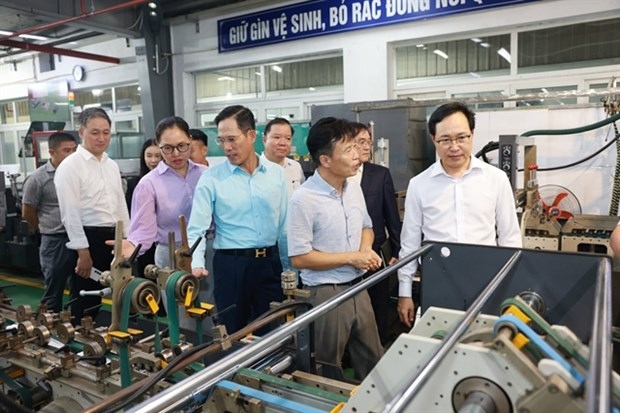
{"x": 519, "y": 344}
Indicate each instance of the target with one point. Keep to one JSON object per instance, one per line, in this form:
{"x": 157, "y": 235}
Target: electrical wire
{"x": 587, "y": 158}
{"x": 491, "y": 146}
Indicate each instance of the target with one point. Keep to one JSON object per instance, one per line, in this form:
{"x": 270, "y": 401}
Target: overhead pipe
{"x": 63, "y": 52}
{"x": 84, "y": 15}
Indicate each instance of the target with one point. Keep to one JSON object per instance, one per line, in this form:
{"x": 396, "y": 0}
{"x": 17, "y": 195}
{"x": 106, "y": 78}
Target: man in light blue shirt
{"x": 247, "y": 198}
{"x": 332, "y": 246}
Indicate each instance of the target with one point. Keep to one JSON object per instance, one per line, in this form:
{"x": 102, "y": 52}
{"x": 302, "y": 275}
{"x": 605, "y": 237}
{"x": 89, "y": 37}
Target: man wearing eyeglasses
{"x": 457, "y": 199}
{"x": 379, "y": 194}
{"x": 247, "y": 198}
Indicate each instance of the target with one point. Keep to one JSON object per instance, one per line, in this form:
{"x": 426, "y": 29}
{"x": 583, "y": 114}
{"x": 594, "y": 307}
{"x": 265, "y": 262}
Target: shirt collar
{"x": 327, "y": 188}
{"x": 264, "y": 158}
{"x": 162, "y": 167}
{"x": 437, "y": 168}
{"x": 262, "y": 165}
{"x": 87, "y": 155}
{"x": 49, "y": 167}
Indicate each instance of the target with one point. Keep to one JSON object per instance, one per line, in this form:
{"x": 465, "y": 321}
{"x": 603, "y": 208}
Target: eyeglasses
{"x": 182, "y": 147}
{"x": 447, "y": 142}
{"x": 228, "y": 139}
{"x": 364, "y": 142}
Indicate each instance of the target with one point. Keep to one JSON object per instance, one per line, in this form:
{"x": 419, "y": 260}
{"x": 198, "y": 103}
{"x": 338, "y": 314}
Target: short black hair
{"x": 448, "y": 109}
{"x": 325, "y": 133}
{"x": 243, "y": 116}
{"x": 358, "y": 127}
{"x": 198, "y": 135}
{"x": 144, "y": 169}
{"x": 168, "y": 123}
{"x": 91, "y": 113}
{"x": 278, "y": 121}
{"x": 55, "y": 139}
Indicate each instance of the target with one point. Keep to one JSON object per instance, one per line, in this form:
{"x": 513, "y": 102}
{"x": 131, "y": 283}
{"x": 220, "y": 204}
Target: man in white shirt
{"x": 457, "y": 199}
{"x": 277, "y": 140}
{"x": 91, "y": 200}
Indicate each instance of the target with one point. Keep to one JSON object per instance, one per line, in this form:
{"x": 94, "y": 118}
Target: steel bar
{"x": 188, "y": 390}
{"x": 598, "y": 382}
{"x": 404, "y": 396}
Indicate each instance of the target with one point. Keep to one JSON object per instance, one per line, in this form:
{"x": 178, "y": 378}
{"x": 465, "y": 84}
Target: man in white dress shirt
{"x": 91, "y": 200}
{"x": 277, "y": 140}
{"x": 457, "y": 199}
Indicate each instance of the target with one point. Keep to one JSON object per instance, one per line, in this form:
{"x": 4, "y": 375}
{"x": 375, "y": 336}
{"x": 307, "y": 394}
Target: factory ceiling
{"x": 59, "y": 26}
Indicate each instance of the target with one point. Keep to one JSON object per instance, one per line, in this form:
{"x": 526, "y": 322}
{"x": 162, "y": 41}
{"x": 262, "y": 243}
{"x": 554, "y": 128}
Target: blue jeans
{"x": 57, "y": 264}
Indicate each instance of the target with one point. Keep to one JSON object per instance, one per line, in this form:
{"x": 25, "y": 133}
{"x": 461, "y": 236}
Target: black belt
{"x": 107, "y": 230}
{"x": 352, "y": 282}
{"x": 251, "y": 252}
{"x": 57, "y": 235}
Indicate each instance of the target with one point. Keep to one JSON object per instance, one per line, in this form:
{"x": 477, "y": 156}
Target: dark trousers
{"x": 102, "y": 257}
{"x": 57, "y": 264}
{"x": 244, "y": 287}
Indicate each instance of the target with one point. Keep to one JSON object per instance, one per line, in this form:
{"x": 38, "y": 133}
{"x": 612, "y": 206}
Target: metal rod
{"x": 186, "y": 391}
{"x": 55, "y": 50}
{"x": 598, "y": 382}
{"x": 404, "y": 397}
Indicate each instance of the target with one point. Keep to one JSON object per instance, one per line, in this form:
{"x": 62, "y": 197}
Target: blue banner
{"x": 320, "y": 17}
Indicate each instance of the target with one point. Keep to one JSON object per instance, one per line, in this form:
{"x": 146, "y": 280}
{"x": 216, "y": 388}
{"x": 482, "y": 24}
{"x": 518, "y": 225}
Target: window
{"x": 495, "y": 98}
{"x": 306, "y": 74}
{"x": 578, "y": 45}
{"x": 228, "y": 83}
{"x": 541, "y": 100}
{"x": 94, "y": 98}
{"x": 8, "y": 152}
{"x": 475, "y": 57}
{"x": 270, "y": 79}
{"x": 127, "y": 98}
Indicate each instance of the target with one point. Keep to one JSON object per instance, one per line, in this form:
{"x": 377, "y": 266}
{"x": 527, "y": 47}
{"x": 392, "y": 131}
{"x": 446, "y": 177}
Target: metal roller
{"x": 100, "y": 338}
{"x": 46, "y": 319}
{"x": 183, "y": 284}
{"x": 93, "y": 349}
{"x": 25, "y": 329}
{"x": 23, "y": 312}
{"x": 43, "y": 335}
{"x": 65, "y": 332}
{"x": 139, "y": 300}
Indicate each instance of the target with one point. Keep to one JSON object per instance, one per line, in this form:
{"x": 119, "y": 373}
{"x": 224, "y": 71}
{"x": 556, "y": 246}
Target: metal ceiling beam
{"x": 58, "y": 51}
{"x": 63, "y": 20}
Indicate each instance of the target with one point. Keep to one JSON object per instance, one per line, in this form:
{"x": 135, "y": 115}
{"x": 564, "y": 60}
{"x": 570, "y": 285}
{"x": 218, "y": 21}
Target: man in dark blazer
{"x": 379, "y": 194}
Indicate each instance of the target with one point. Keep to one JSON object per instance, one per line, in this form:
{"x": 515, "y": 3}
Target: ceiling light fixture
{"x": 33, "y": 37}
{"x": 276, "y": 68}
{"x": 476, "y": 40}
{"x": 485, "y": 45}
{"x": 223, "y": 78}
{"x": 152, "y": 5}
{"x": 505, "y": 54}
{"x": 440, "y": 53}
